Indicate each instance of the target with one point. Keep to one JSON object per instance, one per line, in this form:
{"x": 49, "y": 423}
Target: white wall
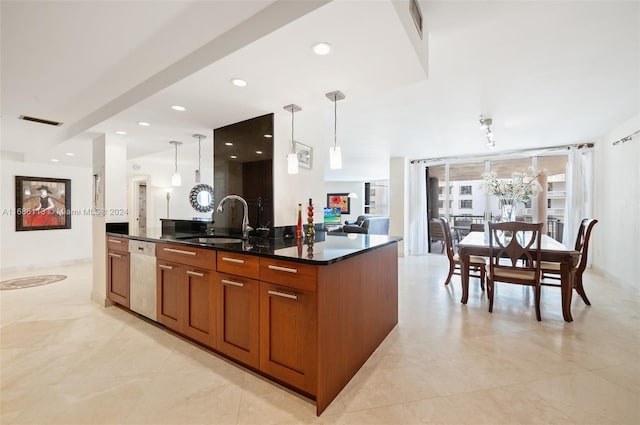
{"x": 37, "y": 248}
{"x": 617, "y": 204}
{"x": 291, "y": 189}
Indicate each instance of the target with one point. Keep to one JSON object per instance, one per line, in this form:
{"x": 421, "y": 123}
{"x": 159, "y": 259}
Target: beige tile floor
{"x": 65, "y": 360}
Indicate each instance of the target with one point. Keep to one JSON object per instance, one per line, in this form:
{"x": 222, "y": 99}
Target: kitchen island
{"x": 306, "y": 316}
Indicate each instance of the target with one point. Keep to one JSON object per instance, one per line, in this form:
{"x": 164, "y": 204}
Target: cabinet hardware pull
{"x": 233, "y": 260}
{"x": 179, "y": 251}
{"x": 231, "y": 282}
{"x": 115, "y": 255}
{"x": 283, "y": 269}
{"x": 192, "y": 273}
{"x": 162, "y": 266}
{"x": 114, "y": 240}
{"x": 282, "y": 294}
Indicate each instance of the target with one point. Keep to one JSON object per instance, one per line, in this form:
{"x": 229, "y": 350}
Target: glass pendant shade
{"x": 335, "y": 158}
{"x": 292, "y": 163}
{"x": 176, "y": 180}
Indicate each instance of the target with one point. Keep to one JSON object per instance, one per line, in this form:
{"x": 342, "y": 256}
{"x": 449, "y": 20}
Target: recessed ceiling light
{"x": 268, "y": 136}
{"x": 233, "y": 157}
{"x": 238, "y": 82}
{"x": 54, "y": 160}
{"x": 70, "y": 154}
{"x": 120, "y": 132}
{"x": 144, "y": 123}
{"x": 321, "y": 48}
{"x": 259, "y": 152}
{"x": 178, "y": 108}
{"x": 228, "y": 144}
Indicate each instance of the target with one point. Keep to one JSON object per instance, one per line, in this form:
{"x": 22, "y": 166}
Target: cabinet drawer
{"x": 239, "y": 264}
{"x": 295, "y": 275}
{"x": 117, "y": 244}
{"x": 205, "y": 258}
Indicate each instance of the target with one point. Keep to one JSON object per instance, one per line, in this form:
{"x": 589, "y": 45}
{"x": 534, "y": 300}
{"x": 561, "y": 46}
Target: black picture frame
{"x": 339, "y": 200}
{"x": 42, "y": 203}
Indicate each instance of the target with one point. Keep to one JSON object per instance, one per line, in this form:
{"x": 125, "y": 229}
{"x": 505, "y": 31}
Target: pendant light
{"x": 335, "y": 154}
{"x": 199, "y": 137}
{"x": 176, "y": 180}
{"x": 292, "y": 158}
{"x": 485, "y": 123}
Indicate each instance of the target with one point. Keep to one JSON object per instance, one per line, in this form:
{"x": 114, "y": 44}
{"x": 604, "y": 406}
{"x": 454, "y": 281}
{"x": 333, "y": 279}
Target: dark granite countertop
{"x": 328, "y": 248}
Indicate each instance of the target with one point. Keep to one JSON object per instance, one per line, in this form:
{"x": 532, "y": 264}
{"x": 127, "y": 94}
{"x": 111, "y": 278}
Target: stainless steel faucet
{"x": 245, "y": 219}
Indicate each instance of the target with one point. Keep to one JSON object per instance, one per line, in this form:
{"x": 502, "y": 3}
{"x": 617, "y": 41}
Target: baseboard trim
{"x": 609, "y": 276}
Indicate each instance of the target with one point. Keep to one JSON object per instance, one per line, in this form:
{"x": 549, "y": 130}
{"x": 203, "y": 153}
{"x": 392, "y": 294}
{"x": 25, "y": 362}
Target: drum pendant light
{"x": 335, "y": 153}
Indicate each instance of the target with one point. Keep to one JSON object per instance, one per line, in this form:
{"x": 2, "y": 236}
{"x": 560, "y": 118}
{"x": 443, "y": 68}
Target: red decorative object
{"x": 299, "y": 226}
{"x": 311, "y": 232}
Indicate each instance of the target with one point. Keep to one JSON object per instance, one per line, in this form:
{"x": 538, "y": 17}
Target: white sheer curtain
{"x": 417, "y": 239}
{"x": 579, "y": 192}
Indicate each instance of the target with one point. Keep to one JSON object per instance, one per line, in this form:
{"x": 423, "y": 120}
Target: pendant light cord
{"x": 335, "y": 120}
{"x": 293, "y": 143}
{"x": 176, "y": 161}
{"x": 199, "y": 138}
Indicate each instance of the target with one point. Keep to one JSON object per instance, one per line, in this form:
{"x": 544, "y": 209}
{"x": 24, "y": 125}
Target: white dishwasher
{"x": 143, "y": 287}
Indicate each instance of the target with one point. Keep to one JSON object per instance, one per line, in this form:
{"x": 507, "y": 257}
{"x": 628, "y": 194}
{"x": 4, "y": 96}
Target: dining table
{"x": 477, "y": 244}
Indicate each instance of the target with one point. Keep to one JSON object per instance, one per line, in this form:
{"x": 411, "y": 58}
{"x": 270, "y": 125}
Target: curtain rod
{"x": 511, "y": 152}
{"x": 626, "y": 139}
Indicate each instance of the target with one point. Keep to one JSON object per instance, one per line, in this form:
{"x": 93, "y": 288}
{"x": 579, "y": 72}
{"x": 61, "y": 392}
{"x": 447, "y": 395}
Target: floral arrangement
{"x": 519, "y": 188}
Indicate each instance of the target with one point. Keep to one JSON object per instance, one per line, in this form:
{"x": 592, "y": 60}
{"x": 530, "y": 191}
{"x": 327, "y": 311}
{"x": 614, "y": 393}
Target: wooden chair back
{"x": 516, "y": 252}
{"x": 516, "y": 255}
{"x": 477, "y": 227}
{"x": 446, "y": 233}
{"x": 582, "y": 242}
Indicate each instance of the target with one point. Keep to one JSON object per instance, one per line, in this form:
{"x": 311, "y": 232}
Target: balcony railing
{"x": 462, "y": 224}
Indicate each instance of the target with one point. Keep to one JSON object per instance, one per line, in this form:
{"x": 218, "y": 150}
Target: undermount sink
{"x": 213, "y": 240}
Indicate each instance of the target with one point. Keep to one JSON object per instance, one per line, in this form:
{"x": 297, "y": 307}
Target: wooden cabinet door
{"x": 199, "y": 305}
{"x": 118, "y": 277}
{"x": 170, "y": 289}
{"x": 288, "y": 335}
{"x": 238, "y": 305}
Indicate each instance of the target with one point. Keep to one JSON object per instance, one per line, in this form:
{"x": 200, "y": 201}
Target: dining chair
{"x": 477, "y": 227}
{"x": 552, "y": 270}
{"x": 436, "y": 233}
{"x": 510, "y": 242}
{"x": 477, "y": 265}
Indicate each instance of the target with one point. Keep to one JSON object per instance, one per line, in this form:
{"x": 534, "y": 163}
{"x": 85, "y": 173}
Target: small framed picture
{"x": 305, "y": 155}
{"x": 340, "y": 201}
{"x": 42, "y": 203}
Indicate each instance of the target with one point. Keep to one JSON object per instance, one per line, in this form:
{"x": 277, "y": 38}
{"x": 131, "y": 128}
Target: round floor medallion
{"x": 31, "y": 281}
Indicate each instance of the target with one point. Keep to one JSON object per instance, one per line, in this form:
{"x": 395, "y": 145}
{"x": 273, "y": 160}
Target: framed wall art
{"x": 305, "y": 155}
{"x": 339, "y": 200}
{"x": 42, "y": 203}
